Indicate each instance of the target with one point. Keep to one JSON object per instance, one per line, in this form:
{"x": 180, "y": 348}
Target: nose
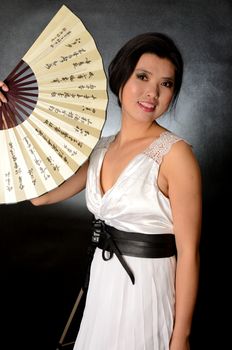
{"x": 153, "y": 92}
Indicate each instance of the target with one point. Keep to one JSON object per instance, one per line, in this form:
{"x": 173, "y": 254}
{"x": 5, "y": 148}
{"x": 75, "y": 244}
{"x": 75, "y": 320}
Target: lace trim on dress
{"x": 158, "y": 148}
{"x": 104, "y": 141}
{"x": 161, "y": 146}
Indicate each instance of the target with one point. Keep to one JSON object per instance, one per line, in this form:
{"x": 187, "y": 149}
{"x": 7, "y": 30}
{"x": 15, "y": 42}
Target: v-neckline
{"x": 111, "y": 139}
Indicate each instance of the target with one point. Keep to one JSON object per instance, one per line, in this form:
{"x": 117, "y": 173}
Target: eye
{"x": 168, "y": 83}
{"x": 142, "y": 76}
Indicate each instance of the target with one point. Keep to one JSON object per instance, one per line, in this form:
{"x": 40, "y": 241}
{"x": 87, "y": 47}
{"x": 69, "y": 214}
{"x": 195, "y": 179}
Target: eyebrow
{"x": 150, "y": 73}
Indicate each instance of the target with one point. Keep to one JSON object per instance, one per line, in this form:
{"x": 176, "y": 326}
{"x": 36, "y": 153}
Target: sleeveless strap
{"x": 104, "y": 142}
{"x": 161, "y": 146}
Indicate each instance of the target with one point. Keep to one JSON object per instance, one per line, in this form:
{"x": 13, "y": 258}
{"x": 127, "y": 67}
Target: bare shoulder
{"x": 181, "y": 160}
{"x": 181, "y": 151}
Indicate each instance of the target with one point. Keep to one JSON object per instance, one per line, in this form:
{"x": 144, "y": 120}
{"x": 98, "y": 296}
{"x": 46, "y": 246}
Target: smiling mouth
{"x": 147, "y": 106}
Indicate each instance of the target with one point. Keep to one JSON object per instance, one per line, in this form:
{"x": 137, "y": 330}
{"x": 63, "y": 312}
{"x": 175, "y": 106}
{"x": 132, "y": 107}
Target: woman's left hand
{"x": 3, "y": 87}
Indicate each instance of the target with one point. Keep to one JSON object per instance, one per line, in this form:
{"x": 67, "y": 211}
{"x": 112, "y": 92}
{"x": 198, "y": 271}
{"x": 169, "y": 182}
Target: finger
{"x": 2, "y": 98}
{"x": 3, "y": 86}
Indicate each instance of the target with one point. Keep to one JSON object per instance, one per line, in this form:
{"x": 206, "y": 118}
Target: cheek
{"x": 167, "y": 98}
{"x": 129, "y": 92}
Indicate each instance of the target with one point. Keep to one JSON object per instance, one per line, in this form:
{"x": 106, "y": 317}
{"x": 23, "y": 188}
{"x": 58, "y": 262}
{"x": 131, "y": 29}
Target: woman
{"x": 144, "y": 187}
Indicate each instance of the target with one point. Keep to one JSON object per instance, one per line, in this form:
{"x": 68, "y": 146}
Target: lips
{"x": 147, "y": 106}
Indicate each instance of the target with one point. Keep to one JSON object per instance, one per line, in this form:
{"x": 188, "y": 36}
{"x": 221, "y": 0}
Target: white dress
{"x": 119, "y": 315}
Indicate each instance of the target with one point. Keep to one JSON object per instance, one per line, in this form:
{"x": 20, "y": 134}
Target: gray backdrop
{"x": 42, "y": 249}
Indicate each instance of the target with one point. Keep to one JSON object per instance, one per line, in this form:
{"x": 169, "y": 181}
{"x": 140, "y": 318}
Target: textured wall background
{"x": 42, "y": 249}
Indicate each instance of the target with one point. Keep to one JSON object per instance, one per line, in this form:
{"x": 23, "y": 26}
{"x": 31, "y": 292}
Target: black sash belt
{"x": 120, "y": 243}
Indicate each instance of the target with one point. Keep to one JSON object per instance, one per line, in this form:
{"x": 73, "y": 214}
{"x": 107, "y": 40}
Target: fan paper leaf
{"x": 56, "y": 110}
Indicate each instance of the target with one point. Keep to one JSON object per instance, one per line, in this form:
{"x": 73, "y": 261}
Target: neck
{"x": 132, "y": 130}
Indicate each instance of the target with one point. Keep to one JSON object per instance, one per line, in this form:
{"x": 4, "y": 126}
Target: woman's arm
{"x": 69, "y": 188}
{"x": 184, "y": 188}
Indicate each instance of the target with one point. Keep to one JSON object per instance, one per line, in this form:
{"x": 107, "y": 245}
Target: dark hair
{"x": 124, "y": 63}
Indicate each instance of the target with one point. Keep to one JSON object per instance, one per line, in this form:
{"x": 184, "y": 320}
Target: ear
{"x": 120, "y": 95}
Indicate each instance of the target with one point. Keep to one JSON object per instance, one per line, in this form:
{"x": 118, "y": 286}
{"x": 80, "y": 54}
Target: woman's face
{"x": 148, "y": 92}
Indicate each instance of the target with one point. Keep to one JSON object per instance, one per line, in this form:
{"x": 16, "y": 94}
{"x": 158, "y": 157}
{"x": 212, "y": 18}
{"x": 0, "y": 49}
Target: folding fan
{"x": 55, "y": 112}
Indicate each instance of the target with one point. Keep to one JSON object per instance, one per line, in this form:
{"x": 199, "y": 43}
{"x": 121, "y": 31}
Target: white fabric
{"x": 119, "y": 315}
